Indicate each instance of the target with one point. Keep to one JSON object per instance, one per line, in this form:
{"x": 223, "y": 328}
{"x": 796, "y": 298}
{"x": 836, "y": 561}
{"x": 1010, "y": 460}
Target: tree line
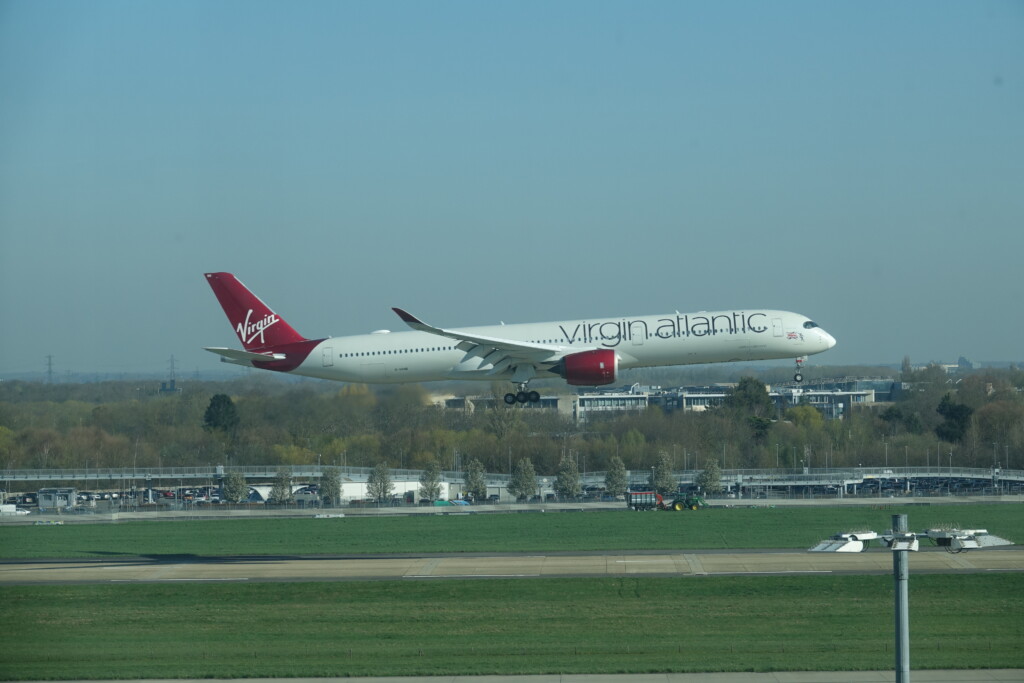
{"x": 968, "y": 420}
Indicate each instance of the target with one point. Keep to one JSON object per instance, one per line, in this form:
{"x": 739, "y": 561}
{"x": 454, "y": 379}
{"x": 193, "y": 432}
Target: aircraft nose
{"x": 828, "y": 339}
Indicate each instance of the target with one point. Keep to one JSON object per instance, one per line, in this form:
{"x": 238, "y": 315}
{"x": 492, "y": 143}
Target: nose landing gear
{"x": 799, "y": 376}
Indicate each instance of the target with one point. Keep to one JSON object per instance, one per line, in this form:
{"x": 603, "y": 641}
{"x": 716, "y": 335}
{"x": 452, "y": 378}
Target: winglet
{"x": 417, "y": 324}
{"x": 407, "y": 318}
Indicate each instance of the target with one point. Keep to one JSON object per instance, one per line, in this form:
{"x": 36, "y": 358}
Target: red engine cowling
{"x": 589, "y": 368}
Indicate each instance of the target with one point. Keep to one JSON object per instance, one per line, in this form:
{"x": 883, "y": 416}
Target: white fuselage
{"x": 645, "y": 341}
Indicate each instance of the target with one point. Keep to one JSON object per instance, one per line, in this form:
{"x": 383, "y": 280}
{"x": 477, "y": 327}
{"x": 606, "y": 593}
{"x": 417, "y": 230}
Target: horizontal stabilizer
{"x": 243, "y": 357}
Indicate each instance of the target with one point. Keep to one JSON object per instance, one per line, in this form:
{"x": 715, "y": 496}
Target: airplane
{"x": 582, "y": 352}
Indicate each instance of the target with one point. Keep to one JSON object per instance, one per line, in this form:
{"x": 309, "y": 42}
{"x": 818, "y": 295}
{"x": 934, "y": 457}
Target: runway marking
{"x": 781, "y": 571}
{"x": 164, "y": 581}
{"x": 239, "y": 578}
{"x": 473, "y": 576}
{"x": 642, "y": 561}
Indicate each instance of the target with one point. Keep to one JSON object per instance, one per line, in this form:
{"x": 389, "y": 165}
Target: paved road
{"x": 484, "y": 566}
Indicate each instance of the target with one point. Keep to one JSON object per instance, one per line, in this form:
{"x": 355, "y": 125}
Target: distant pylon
{"x": 49, "y": 369}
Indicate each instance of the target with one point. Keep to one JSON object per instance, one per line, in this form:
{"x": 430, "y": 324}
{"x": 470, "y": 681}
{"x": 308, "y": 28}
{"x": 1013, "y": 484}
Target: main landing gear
{"x": 522, "y": 396}
{"x": 799, "y": 376}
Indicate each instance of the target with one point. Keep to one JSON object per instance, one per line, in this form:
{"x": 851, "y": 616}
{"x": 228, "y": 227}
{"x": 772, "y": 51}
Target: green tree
{"x": 221, "y": 414}
{"x": 956, "y": 420}
{"x": 750, "y": 397}
{"x": 476, "y": 485}
{"x": 430, "y": 481}
{"x": 567, "y": 483}
{"x": 503, "y": 421}
{"x": 615, "y": 479}
{"x": 8, "y": 451}
{"x": 710, "y": 478}
{"x": 523, "y": 482}
{"x": 806, "y": 416}
{"x": 235, "y": 489}
{"x": 664, "y": 481}
{"x": 633, "y": 446}
{"x": 378, "y": 484}
{"x": 330, "y": 487}
{"x": 281, "y": 492}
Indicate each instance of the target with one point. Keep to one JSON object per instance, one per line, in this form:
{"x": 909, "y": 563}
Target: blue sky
{"x": 861, "y": 163}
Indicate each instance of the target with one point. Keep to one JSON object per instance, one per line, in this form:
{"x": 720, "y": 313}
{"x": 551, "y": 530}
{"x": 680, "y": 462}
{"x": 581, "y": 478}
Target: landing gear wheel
{"x": 798, "y": 377}
{"x": 522, "y": 396}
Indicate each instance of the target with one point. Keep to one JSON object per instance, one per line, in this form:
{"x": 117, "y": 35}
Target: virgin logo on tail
{"x": 249, "y": 331}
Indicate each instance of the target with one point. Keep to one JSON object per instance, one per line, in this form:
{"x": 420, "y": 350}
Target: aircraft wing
{"x": 500, "y": 353}
{"x": 242, "y": 357}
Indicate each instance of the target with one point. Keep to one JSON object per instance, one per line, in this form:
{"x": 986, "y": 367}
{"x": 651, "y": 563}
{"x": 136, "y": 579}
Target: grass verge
{"x": 614, "y": 625}
{"x": 761, "y": 527}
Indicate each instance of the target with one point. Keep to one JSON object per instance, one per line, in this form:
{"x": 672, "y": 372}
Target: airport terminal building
{"x": 833, "y": 398}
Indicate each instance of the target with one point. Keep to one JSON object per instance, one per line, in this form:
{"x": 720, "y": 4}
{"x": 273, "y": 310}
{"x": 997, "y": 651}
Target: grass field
{"x": 604, "y": 625}
{"x": 504, "y": 626}
{"x": 741, "y": 527}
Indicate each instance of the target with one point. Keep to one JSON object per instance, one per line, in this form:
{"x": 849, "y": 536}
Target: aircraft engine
{"x": 588, "y": 368}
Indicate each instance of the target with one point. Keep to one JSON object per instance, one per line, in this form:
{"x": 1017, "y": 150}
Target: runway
{"x": 168, "y": 569}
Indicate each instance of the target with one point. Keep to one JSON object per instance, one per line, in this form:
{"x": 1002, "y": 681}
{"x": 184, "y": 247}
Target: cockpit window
{"x": 810, "y": 325}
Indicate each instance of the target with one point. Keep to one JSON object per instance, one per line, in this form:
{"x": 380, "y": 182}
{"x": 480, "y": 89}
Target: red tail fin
{"x": 256, "y": 325}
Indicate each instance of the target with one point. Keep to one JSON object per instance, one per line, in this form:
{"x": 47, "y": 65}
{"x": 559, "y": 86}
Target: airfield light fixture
{"x": 901, "y": 541}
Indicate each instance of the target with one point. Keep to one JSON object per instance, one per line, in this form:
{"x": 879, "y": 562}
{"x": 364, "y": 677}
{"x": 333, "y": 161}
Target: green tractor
{"x": 689, "y": 501}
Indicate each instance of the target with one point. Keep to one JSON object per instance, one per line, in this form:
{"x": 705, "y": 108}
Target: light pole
{"x": 901, "y": 604}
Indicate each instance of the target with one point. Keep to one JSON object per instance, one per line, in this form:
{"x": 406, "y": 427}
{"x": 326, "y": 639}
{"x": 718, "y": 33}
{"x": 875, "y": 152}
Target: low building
{"x": 57, "y": 498}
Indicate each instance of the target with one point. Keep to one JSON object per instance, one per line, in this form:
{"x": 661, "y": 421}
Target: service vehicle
{"x": 652, "y": 500}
